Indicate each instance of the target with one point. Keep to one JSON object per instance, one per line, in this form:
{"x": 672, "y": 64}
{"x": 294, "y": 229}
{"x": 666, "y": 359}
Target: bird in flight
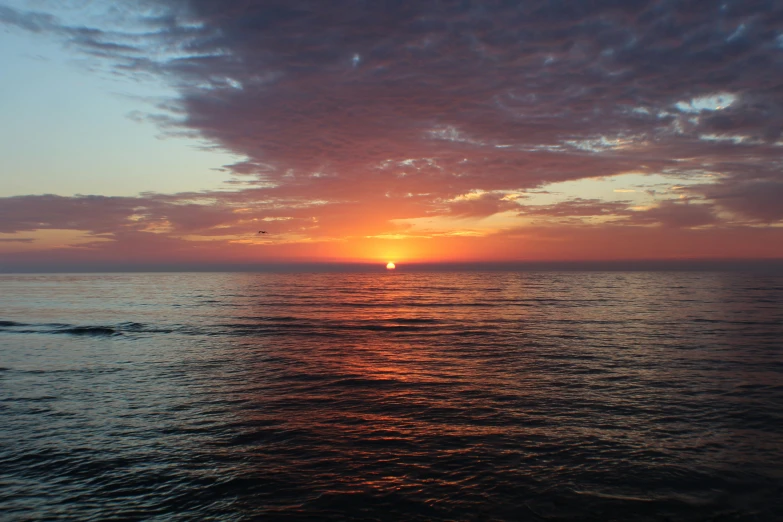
{"x": 262, "y": 231}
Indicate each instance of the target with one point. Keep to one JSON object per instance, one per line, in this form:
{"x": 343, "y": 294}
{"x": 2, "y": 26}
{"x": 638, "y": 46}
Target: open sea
{"x": 541, "y": 396}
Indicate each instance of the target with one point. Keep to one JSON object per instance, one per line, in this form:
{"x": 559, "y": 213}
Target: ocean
{"x": 542, "y": 396}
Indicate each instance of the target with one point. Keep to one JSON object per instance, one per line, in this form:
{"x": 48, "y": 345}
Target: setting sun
{"x": 390, "y": 266}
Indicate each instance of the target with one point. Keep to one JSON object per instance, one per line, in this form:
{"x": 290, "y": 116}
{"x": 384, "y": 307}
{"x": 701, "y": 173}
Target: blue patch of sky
{"x": 66, "y": 128}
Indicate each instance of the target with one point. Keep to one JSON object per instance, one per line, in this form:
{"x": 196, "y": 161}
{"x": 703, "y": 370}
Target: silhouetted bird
{"x": 262, "y": 231}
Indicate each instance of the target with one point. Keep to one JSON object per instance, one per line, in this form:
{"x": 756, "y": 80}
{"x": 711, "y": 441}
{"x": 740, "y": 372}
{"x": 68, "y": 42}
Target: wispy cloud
{"x": 17, "y": 240}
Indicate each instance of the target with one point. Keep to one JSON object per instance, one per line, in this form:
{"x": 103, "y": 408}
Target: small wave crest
{"x": 88, "y": 330}
{"x": 10, "y": 324}
{"x": 78, "y": 330}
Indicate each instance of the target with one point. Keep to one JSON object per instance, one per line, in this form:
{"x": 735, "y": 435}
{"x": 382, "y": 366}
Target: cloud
{"x": 393, "y": 110}
{"x": 30, "y": 21}
{"x": 17, "y": 240}
{"x": 758, "y": 200}
{"x": 481, "y": 204}
{"x": 577, "y": 207}
{"x": 675, "y": 214}
{"x": 94, "y": 213}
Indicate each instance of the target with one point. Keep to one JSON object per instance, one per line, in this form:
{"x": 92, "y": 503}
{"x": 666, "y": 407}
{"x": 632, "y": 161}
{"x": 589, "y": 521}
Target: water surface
{"x": 392, "y": 396}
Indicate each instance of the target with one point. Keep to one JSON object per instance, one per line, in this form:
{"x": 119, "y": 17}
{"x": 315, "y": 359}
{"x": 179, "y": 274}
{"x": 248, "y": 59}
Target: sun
{"x": 390, "y": 266}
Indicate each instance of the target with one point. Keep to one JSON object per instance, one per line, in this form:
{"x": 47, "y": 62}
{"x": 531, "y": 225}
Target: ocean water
{"x": 392, "y": 396}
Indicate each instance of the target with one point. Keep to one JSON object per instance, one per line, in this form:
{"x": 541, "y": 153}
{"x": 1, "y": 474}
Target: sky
{"x": 145, "y": 132}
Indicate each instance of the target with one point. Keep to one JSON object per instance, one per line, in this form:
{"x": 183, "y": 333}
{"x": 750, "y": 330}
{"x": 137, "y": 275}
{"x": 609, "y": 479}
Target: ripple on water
{"x": 503, "y": 396}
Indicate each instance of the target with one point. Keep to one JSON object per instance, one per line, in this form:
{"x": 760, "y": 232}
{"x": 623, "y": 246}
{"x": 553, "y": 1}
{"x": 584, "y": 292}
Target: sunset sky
{"x": 172, "y": 131}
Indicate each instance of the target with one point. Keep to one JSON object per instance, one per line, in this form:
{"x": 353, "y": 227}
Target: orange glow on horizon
{"x": 531, "y": 243}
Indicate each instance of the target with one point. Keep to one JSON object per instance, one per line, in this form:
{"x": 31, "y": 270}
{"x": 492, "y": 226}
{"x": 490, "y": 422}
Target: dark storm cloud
{"x": 357, "y": 102}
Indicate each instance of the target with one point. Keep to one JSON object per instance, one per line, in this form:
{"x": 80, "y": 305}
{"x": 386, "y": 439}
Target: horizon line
{"x": 634, "y": 265}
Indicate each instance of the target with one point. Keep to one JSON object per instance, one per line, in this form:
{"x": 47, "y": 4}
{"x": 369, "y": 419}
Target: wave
{"x": 69, "y": 329}
{"x": 88, "y": 330}
{"x": 261, "y": 326}
{"x": 10, "y": 324}
{"x": 99, "y": 330}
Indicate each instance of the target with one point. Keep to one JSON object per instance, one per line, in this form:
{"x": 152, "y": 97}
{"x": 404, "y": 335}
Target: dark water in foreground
{"x": 452, "y": 396}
